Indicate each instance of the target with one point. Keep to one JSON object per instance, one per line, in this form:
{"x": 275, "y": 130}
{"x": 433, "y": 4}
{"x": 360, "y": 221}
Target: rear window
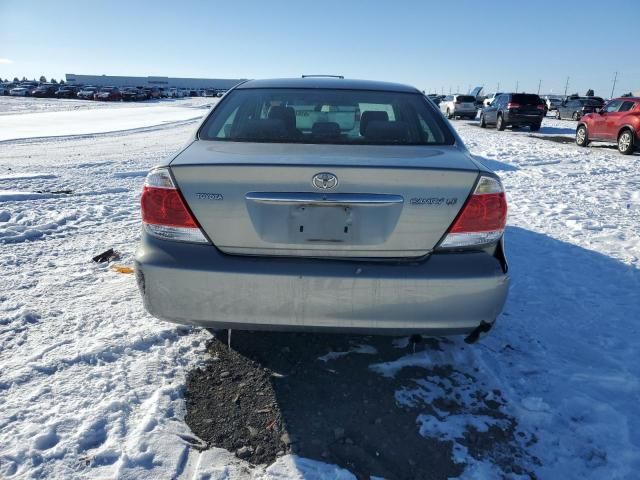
{"x": 325, "y": 116}
{"x": 526, "y": 99}
{"x": 466, "y": 99}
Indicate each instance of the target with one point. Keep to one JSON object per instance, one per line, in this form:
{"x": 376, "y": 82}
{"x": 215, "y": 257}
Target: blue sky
{"x": 432, "y": 45}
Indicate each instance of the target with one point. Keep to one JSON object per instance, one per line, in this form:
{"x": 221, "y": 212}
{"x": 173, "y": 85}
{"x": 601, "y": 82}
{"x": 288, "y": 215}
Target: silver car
{"x": 324, "y": 204}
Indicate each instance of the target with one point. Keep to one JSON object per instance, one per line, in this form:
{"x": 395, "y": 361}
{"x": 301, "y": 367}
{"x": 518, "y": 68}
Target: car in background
{"x": 133, "y": 94}
{"x": 23, "y": 89}
{"x": 176, "y": 92}
{"x": 164, "y": 93}
{"x": 390, "y": 214}
{"x": 45, "y": 90}
{"x": 618, "y": 121}
{"x": 514, "y": 110}
{"x": 87, "y": 92}
{"x": 553, "y": 101}
{"x": 459, "y": 106}
{"x": 108, "y": 94}
{"x": 153, "y": 93}
{"x": 488, "y": 100}
{"x": 435, "y": 98}
{"x": 575, "y": 108}
{"x": 5, "y": 88}
{"x": 210, "y": 92}
{"x": 67, "y": 91}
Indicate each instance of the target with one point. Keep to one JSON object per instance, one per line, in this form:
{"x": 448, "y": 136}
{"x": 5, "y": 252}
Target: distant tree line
{"x": 42, "y": 79}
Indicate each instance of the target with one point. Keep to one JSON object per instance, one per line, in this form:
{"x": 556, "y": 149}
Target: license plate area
{"x": 313, "y": 223}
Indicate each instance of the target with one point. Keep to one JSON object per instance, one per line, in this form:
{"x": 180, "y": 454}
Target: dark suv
{"x": 576, "y": 107}
{"x": 67, "y": 91}
{"x": 515, "y": 110}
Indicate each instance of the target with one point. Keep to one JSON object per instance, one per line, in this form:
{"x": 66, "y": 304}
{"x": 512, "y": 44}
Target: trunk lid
{"x": 280, "y": 199}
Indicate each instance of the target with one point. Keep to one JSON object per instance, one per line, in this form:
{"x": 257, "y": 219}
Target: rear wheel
{"x": 500, "y": 123}
{"x": 582, "y": 140}
{"x": 449, "y": 116}
{"x": 625, "y": 142}
{"x": 575, "y": 116}
{"x": 558, "y": 116}
{"x": 535, "y": 127}
{"x": 483, "y": 123}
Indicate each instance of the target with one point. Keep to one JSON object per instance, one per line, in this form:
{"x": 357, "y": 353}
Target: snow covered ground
{"x": 92, "y": 387}
{"x": 87, "y": 118}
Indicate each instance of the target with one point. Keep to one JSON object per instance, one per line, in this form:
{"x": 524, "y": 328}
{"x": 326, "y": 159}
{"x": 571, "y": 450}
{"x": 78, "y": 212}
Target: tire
{"x": 582, "y": 138}
{"x": 575, "y": 116}
{"x": 558, "y": 116}
{"x": 500, "y": 123}
{"x": 449, "y": 116}
{"x": 535, "y": 127}
{"x": 483, "y": 123}
{"x": 625, "y": 142}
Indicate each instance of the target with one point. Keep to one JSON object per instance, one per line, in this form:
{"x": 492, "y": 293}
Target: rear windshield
{"x": 466, "y": 99}
{"x": 526, "y": 99}
{"x": 351, "y": 117}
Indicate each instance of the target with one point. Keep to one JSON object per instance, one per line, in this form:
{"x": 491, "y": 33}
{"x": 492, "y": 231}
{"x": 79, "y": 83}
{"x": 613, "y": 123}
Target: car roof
{"x": 328, "y": 83}
{"x": 628, "y": 99}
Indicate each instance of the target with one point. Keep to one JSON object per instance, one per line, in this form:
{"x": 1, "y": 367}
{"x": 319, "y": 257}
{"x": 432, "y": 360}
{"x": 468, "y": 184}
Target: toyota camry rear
{"x": 324, "y": 204}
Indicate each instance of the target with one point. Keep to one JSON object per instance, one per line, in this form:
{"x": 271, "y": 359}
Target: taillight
{"x": 513, "y": 105}
{"x": 482, "y": 219}
{"x": 164, "y": 213}
{"x": 540, "y": 106}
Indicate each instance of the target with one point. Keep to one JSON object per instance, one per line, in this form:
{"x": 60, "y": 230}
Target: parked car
{"x": 152, "y": 92}
{"x": 176, "y": 92}
{"x": 553, "y": 102}
{"x": 267, "y": 221}
{"x": 108, "y": 94}
{"x": 459, "y": 106}
{"x": 67, "y": 91}
{"x": 133, "y": 94}
{"x": 164, "y": 93}
{"x": 489, "y": 99}
{"x": 209, "y": 92}
{"x": 23, "y": 90}
{"x": 45, "y": 90}
{"x": 435, "y": 98}
{"x": 5, "y": 88}
{"x": 618, "y": 121}
{"x": 87, "y": 93}
{"x": 514, "y": 110}
{"x": 574, "y": 108}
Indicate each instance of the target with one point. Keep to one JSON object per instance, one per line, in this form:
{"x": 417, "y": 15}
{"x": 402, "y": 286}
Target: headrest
{"x": 381, "y": 131}
{"x": 370, "y": 115}
{"x": 325, "y": 129}
{"x": 262, "y": 130}
{"x": 286, "y": 114}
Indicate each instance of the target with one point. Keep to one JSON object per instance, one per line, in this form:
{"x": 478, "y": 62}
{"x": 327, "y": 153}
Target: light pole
{"x": 539, "y": 85}
{"x": 517, "y": 83}
{"x": 615, "y": 78}
{"x": 566, "y": 87}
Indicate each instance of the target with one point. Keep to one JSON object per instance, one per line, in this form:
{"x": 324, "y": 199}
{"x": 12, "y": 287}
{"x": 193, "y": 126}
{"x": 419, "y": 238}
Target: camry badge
{"x": 324, "y": 180}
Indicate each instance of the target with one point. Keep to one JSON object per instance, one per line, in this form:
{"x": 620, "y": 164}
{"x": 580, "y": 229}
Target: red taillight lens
{"x": 163, "y": 206}
{"x": 513, "y": 105}
{"x": 482, "y": 219}
{"x": 540, "y": 107}
{"x": 164, "y": 212}
{"x": 482, "y": 213}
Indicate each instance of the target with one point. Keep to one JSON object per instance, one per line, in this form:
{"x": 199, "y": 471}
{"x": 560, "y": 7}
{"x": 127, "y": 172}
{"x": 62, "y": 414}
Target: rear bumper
{"x": 523, "y": 119}
{"x": 199, "y": 285}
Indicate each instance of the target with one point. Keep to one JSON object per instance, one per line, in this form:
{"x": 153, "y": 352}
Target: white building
{"x": 163, "y": 82}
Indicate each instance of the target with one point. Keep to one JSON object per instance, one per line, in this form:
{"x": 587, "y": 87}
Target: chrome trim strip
{"x": 365, "y": 199}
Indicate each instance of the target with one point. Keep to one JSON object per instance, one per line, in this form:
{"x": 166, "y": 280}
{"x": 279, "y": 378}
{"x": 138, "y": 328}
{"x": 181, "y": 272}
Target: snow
{"x": 96, "y": 120}
{"x": 92, "y": 387}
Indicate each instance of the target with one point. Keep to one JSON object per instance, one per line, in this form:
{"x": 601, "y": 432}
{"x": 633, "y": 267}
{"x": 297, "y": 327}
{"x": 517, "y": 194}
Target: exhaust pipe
{"x": 474, "y": 336}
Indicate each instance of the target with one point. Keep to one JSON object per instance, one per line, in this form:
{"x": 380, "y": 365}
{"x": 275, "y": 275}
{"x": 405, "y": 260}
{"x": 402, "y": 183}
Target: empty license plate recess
{"x": 313, "y": 223}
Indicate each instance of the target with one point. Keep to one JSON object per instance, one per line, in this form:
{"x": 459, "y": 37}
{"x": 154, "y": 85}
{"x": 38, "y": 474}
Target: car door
{"x": 602, "y": 122}
{"x": 615, "y": 119}
{"x": 490, "y": 115}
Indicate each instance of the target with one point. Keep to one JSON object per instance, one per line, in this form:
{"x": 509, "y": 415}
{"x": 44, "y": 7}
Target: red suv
{"x": 618, "y": 121}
